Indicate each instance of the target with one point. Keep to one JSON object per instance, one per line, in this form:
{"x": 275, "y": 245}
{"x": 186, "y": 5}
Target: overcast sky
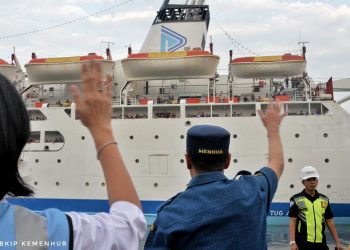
{"x": 261, "y": 26}
{"x": 264, "y": 27}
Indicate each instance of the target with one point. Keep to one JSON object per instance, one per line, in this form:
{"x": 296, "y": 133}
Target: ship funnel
{"x": 177, "y": 27}
{"x": 165, "y": 4}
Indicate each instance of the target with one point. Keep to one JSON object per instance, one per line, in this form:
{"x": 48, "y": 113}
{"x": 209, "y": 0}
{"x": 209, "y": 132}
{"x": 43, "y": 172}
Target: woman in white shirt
{"x": 122, "y": 228}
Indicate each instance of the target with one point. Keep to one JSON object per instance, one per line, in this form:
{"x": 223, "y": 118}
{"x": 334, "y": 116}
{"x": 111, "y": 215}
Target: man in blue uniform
{"x": 215, "y": 212}
{"x": 309, "y": 213}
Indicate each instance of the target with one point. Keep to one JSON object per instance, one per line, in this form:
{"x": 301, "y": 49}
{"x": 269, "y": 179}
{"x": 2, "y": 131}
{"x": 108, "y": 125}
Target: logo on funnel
{"x": 171, "y": 40}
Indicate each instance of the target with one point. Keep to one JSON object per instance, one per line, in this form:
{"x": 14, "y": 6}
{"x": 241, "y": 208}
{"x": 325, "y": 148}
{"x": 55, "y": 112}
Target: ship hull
{"x": 153, "y": 150}
{"x": 277, "y": 209}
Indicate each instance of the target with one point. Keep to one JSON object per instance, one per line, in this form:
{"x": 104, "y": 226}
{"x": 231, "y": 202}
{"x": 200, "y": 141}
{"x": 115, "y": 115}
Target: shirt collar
{"x": 309, "y": 196}
{"x": 205, "y": 178}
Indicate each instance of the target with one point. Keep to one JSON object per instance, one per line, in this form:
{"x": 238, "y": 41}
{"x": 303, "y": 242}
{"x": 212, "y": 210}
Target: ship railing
{"x": 212, "y": 110}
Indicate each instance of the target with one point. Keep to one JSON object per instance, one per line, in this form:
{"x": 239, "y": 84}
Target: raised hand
{"x": 94, "y": 104}
{"x": 272, "y": 117}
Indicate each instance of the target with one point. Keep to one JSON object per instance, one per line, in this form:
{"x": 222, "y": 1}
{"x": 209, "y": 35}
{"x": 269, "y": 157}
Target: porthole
{"x": 155, "y": 184}
{"x": 87, "y": 184}
{"x": 156, "y": 137}
{"x": 182, "y": 136}
{"x": 35, "y": 183}
{"x": 46, "y": 148}
{"x": 57, "y": 183}
{"x": 103, "y": 184}
{"x": 235, "y": 160}
{"x": 291, "y": 186}
{"x": 182, "y": 161}
{"x": 83, "y": 137}
{"x": 59, "y": 161}
{"x": 297, "y": 135}
{"x": 326, "y": 160}
{"x": 329, "y": 186}
{"x": 137, "y": 160}
{"x": 188, "y": 123}
{"x": 325, "y": 135}
{"x": 36, "y": 160}
{"x": 290, "y": 160}
{"x": 131, "y": 137}
{"x": 235, "y": 136}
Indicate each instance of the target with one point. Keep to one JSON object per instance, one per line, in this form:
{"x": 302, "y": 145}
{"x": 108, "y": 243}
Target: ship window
{"x": 135, "y": 113}
{"x": 318, "y": 109}
{"x": 36, "y": 115}
{"x": 68, "y": 112}
{"x": 197, "y": 111}
{"x": 34, "y": 137}
{"x": 245, "y": 110}
{"x": 117, "y": 113}
{"x": 221, "y": 111}
{"x": 180, "y": 14}
{"x": 166, "y": 112}
{"x": 53, "y": 137}
{"x": 297, "y": 109}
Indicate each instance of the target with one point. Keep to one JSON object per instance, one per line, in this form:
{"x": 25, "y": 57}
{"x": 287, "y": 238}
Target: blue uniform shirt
{"x": 216, "y": 213}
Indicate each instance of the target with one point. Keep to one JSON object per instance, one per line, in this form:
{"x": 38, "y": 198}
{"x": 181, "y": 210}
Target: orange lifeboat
{"x": 193, "y": 64}
{"x": 268, "y": 66}
{"x": 63, "y": 70}
{"x": 8, "y": 70}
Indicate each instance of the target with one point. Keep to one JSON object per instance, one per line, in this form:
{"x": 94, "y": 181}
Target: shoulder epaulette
{"x": 323, "y": 196}
{"x": 167, "y": 202}
{"x": 296, "y": 196}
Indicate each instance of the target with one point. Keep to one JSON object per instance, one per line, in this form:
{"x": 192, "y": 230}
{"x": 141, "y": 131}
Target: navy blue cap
{"x": 207, "y": 142}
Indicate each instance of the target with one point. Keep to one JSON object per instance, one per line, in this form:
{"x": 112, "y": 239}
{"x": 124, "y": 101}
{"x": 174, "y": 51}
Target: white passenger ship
{"x": 159, "y": 94}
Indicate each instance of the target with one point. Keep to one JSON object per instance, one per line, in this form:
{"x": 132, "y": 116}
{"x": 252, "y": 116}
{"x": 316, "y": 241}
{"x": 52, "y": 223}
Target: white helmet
{"x": 308, "y": 172}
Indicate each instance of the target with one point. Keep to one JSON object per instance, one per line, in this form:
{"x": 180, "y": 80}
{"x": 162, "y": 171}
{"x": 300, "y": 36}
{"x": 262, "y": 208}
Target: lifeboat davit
{"x": 193, "y": 64}
{"x": 8, "y": 70}
{"x": 63, "y": 70}
{"x": 268, "y": 66}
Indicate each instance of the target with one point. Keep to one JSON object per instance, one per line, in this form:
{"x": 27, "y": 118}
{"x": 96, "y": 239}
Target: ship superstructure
{"x": 153, "y": 111}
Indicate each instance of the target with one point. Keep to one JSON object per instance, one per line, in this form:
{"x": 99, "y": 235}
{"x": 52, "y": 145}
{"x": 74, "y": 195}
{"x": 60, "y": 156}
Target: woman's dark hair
{"x": 14, "y": 133}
